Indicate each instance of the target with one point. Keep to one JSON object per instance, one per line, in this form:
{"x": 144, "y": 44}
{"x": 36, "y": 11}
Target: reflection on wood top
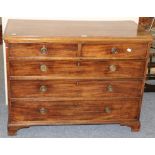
{"x": 51, "y": 30}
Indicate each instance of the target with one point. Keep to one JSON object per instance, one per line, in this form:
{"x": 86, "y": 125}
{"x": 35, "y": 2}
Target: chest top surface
{"x": 52, "y": 30}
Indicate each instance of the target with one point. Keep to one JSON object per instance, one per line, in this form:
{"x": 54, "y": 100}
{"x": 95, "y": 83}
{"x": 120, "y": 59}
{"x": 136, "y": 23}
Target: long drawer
{"x": 75, "y": 88}
{"x": 74, "y": 111}
{"x": 43, "y": 50}
{"x": 83, "y": 69}
{"x": 113, "y": 50}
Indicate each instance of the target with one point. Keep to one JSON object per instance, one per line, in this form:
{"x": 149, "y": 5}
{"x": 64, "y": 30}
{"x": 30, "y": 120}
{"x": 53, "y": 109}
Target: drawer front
{"x": 79, "y": 69}
{"x": 75, "y": 89}
{"x": 112, "y": 50}
{"x": 43, "y": 50}
{"x": 74, "y": 111}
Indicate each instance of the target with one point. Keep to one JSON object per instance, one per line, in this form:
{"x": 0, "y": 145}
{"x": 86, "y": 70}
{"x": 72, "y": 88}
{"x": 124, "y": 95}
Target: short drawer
{"x": 79, "y": 69}
{"x": 74, "y": 111}
{"x": 43, "y": 50}
{"x": 75, "y": 89}
{"x": 113, "y": 50}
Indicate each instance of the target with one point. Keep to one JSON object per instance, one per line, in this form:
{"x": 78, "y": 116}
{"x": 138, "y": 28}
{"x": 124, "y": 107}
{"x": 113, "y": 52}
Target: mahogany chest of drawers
{"x": 75, "y": 72}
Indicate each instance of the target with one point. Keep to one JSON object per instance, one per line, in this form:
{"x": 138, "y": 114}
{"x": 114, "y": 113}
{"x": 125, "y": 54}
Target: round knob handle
{"x": 114, "y": 50}
{"x": 112, "y": 68}
{"x": 43, "y": 89}
{"x": 43, "y": 111}
{"x": 43, "y": 68}
{"x": 129, "y": 50}
{"x": 110, "y": 88}
{"x": 107, "y": 110}
{"x": 43, "y": 50}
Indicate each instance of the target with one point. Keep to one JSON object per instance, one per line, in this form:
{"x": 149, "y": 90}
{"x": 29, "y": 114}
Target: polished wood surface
{"x": 105, "y": 50}
{"x": 66, "y": 31}
{"x": 73, "y": 112}
{"x": 88, "y": 50}
{"x": 75, "y": 72}
{"x": 72, "y": 69}
{"x": 53, "y": 50}
{"x": 76, "y": 88}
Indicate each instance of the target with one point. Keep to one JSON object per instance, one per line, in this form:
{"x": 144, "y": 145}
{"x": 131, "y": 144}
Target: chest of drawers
{"x": 74, "y": 72}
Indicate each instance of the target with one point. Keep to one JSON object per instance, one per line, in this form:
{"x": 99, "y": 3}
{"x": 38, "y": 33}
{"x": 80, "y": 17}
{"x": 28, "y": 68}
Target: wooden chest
{"x": 75, "y": 72}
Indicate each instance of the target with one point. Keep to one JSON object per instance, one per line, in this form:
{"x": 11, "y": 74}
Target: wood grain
{"x": 75, "y": 112}
{"x": 94, "y": 69}
{"x": 76, "y": 88}
{"x": 105, "y": 50}
{"x": 78, "y": 80}
{"x": 19, "y": 31}
{"x": 34, "y": 50}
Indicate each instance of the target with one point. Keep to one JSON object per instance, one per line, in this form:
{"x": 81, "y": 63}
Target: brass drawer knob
{"x": 43, "y": 88}
{"x": 43, "y": 50}
{"x": 112, "y": 68}
{"x": 129, "y": 50}
{"x": 43, "y": 111}
{"x": 43, "y": 68}
{"x": 107, "y": 110}
{"x": 114, "y": 50}
{"x": 110, "y": 88}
